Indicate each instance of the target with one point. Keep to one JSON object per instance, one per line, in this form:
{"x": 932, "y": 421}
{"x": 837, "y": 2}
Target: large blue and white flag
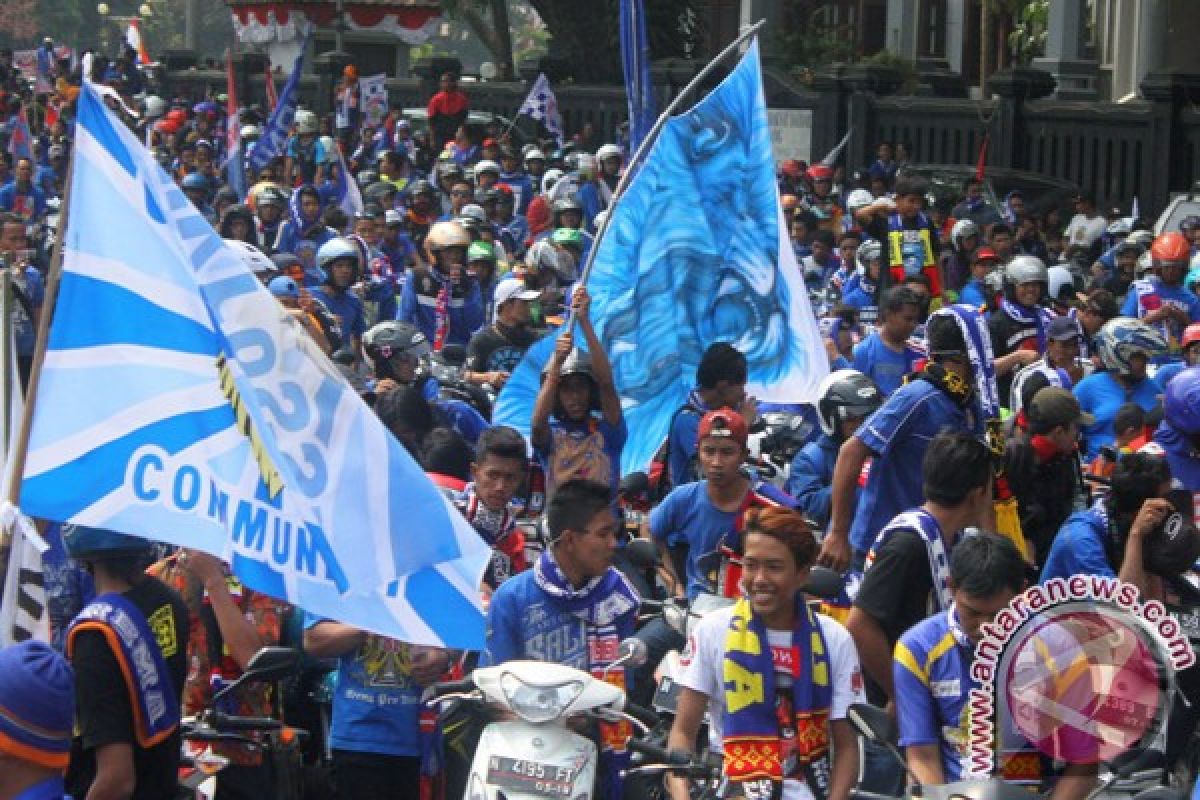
{"x": 542, "y": 105}
{"x": 635, "y": 61}
{"x": 279, "y": 124}
{"x": 178, "y": 401}
{"x": 696, "y": 252}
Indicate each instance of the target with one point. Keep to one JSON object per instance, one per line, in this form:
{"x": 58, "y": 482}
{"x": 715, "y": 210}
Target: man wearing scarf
{"x": 1021, "y": 321}
{"x": 573, "y": 607}
{"x": 932, "y": 675}
{"x": 775, "y": 677}
{"x": 954, "y": 391}
{"x": 304, "y": 223}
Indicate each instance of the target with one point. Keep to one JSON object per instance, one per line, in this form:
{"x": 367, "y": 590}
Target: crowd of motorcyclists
{"x": 1010, "y": 399}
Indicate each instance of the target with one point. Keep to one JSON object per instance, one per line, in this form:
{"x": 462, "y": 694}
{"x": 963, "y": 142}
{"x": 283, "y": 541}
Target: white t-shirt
{"x": 1083, "y": 230}
{"x": 703, "y": 660}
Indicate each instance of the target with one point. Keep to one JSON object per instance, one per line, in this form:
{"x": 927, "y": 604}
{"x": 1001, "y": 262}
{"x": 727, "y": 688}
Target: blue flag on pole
{"x": 275, "y": 134}
{"x": 696, "y": 252}
{"x": 179, "y": 401}
{"x": 635, "y": 60}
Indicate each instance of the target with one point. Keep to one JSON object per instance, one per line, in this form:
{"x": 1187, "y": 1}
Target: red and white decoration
{"x": 266, "y": 22}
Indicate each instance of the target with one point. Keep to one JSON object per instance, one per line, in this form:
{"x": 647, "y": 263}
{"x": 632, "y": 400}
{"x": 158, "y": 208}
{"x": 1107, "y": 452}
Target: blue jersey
{"x": 1100, "y": 394}
{"x": 418, "y": 306}
{"x": 810, "y": 479}
{"x": 347, "y": 307}
{"x": 879, "y": 362}
{"x": 376, "y": 704}
{"x": 1151, "y": 294}
{"x": 898, "y": 434}
{"x": 1078, "y": 548}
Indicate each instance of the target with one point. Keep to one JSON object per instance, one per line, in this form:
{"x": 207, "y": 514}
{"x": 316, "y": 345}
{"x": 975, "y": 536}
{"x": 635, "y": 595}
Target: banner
{"x": 279, "y": 124}
{"x": 635, "y": 61}
{"x": 696, "y": 252}
{"x": 180, "y": 402}
{"x": 133, "y": 38}
{"x": 373, "y": 89}
{"x": 235, "y": 162}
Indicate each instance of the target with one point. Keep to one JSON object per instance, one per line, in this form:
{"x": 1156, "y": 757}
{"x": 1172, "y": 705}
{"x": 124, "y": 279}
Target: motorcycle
{"x": 874, "y": 725}
{"x": 531, "y": 752}
{"x": 200, "y": 766}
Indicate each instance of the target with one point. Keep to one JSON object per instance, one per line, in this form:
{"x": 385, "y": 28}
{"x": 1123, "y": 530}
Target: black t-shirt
{"x": 492, "y": 351}
{"x": 102, "y": 711}
{"x": 897, "y": 591}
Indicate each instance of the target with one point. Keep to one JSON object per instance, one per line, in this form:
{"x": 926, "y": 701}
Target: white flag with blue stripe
{"x": 178, "y": 401}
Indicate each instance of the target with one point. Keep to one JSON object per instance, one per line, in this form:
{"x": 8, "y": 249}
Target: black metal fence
{"x": 1146, "y": 148}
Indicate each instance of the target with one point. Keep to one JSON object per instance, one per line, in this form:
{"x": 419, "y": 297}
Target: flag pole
{"x": 644, "y": 148}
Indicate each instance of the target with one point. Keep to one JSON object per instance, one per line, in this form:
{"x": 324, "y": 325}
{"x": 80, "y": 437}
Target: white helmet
{"x": 598, "y": 220}
{"x": 251, "y": 132}
{"x": 154, "y": 106}
{"x": 609, "y": 151}
{"x": 487, "y": 166}
{"x": 535, "y": 155}
{"x": 306, "y": 122}
{"x": 586, "y": 164}
{"x": 252, "y": 257}
{"x": 859, "y": 198}
{"x": 551, "y": 177}
{"x": 1059, "y": 278}
{"x": 961, "y": 230}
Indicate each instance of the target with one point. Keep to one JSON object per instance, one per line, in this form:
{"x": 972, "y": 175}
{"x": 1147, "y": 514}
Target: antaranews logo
{"x": 1080, "y": 665}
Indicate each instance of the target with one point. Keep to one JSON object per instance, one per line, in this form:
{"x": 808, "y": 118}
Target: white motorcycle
{"x": 533, "y": 754}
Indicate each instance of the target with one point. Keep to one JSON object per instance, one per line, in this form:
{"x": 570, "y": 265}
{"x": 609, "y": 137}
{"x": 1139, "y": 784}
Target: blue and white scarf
{"x": 1035, "y": 317}
{"x": 923, "y": 523}
{"x": 974, "y": 330}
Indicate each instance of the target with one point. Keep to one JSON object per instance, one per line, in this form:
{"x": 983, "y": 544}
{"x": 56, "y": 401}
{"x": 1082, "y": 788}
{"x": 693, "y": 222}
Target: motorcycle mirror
{"x": 676, "y": 615}
{"x": 642, "y": 553}
{"x": 871, "y": 723}
{"x": 343, "y": 357}
{"x": 824, "y": 583}
{"x": 268, "y": 664}
{"x": 633, "y": 484}
{"x": 632, "y": 653}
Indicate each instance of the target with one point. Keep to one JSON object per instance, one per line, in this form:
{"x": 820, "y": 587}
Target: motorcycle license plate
{"x": 530, "y": 776}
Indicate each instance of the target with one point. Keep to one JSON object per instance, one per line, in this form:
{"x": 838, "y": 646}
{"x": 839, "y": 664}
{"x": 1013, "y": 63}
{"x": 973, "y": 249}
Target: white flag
{"x": 543, "y": 106}
{"x": 373, "y": 89}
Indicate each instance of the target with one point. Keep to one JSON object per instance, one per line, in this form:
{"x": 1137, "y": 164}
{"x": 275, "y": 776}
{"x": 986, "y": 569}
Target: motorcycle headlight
{"x": 478, "y": 790}
{"x": 538, "y": 704}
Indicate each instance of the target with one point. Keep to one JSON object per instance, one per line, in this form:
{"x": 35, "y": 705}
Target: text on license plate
{"x": 530, "y": 776}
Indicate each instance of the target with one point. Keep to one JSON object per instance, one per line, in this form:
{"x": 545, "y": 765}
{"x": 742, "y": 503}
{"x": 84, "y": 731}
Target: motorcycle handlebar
{"x": 660, "y": 755}
{"x": 230, "y": 722}
{"x": 453, "y": 687}
{"x": 642, "y": 715}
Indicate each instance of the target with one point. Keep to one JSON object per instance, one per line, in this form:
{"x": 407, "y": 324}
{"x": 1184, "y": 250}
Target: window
{"x": 931, "y": 29}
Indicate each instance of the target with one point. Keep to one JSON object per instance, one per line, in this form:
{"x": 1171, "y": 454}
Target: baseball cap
{"x": 985, "y": 253}
{"x": 512, "y": 289}
{"x": 1063, "y": 329}
{"x": 393, "y": 217}
{"x": 1052, "y": 407}
{"x": 723, "y": 422}
{"x": 481, "y": 251}
{"x": 283, "y": 286}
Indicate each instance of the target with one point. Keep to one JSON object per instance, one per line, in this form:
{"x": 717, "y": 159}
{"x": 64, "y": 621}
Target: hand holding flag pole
{"x": 644, "y": 148}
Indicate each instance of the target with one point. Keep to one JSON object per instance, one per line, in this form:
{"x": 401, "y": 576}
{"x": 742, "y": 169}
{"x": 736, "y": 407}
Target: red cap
{"x": 489, "y": 142}
{"x": 723, "y": 422}
{"x": 984, "y": 253}
{"x": 820, "y": 172}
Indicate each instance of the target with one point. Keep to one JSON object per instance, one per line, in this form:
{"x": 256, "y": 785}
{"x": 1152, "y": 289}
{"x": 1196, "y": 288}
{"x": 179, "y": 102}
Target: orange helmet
{"x": 1171, "y": 247}
{"x": 1191, "y": 335}
{"x": 789, "y": 202}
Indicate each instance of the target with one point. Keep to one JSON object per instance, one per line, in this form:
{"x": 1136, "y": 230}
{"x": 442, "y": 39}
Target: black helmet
{"x": 578, "y": 362}
{"x": 568, "y": 203}
{"x": 272, "y": 196}
{"x": 846, "y": 394}
{"x": 389, "y": 339}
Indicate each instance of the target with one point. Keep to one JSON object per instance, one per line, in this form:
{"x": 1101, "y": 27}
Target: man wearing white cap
{"x": 494, "y": 352}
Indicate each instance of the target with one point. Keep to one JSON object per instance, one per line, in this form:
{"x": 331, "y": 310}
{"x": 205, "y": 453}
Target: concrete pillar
{"x": 750, "y": 12}
{"x": 1151, "y": 53}
{"x": 956, "y": 33}
{"x": 901, "y": 39}
{"x": 1064, "y": 59}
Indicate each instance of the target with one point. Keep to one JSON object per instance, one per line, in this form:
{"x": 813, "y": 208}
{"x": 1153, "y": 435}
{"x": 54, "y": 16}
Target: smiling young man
{"x": 775, "y": 677}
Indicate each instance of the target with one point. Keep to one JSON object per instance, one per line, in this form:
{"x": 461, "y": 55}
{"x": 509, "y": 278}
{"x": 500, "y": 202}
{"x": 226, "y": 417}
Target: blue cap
{"x": 37, "y": 695}
{"x": 283, "y": 286}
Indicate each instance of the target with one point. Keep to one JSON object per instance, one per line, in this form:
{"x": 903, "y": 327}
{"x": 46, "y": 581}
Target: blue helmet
{"x": 1181, "y": 406}
{"x": 1123, "y": 337}
{"x": 194, "y": 180}
{"x": 84, "y": 542}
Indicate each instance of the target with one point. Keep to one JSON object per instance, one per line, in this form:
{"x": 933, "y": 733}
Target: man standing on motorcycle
{"x": 228, "y": 624}
{"x": 932, "y": 673}
{"x": 775, "y": 677}
{"x": 573, "y": 607}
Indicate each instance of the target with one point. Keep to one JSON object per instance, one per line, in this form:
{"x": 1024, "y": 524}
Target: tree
{"x": 18, "y": 21}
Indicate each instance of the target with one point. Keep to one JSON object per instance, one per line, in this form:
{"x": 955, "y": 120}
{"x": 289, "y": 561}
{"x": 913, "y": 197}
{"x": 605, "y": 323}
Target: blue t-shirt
{"x": 347, "y": 307}
{"x": 973, "y": 293}
{"x": 376, "y": 703}
{"x": 882, "y": 364}
{"x": 1150, "y": 294}
{"x": 681, "y": 441}
{"x": 1078, "y": 548}
{"x": 687, "y": 515}
{"x": 24, "y": 331}
{"x": 1101, "y": 394}
{"x": 526, "y": 623}
{"x": 898, "y": 434}
{"x": 590, "y": 449}
{"x": 931, "y": 671}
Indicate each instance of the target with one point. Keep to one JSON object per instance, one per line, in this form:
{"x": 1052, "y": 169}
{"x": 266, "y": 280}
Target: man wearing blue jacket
{"x": 444, "y": 302}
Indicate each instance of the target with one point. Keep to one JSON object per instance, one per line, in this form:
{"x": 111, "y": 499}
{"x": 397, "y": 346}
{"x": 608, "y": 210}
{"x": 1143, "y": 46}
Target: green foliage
{"x": 808, "y": 41}
{"x": 1028, "y": 38}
